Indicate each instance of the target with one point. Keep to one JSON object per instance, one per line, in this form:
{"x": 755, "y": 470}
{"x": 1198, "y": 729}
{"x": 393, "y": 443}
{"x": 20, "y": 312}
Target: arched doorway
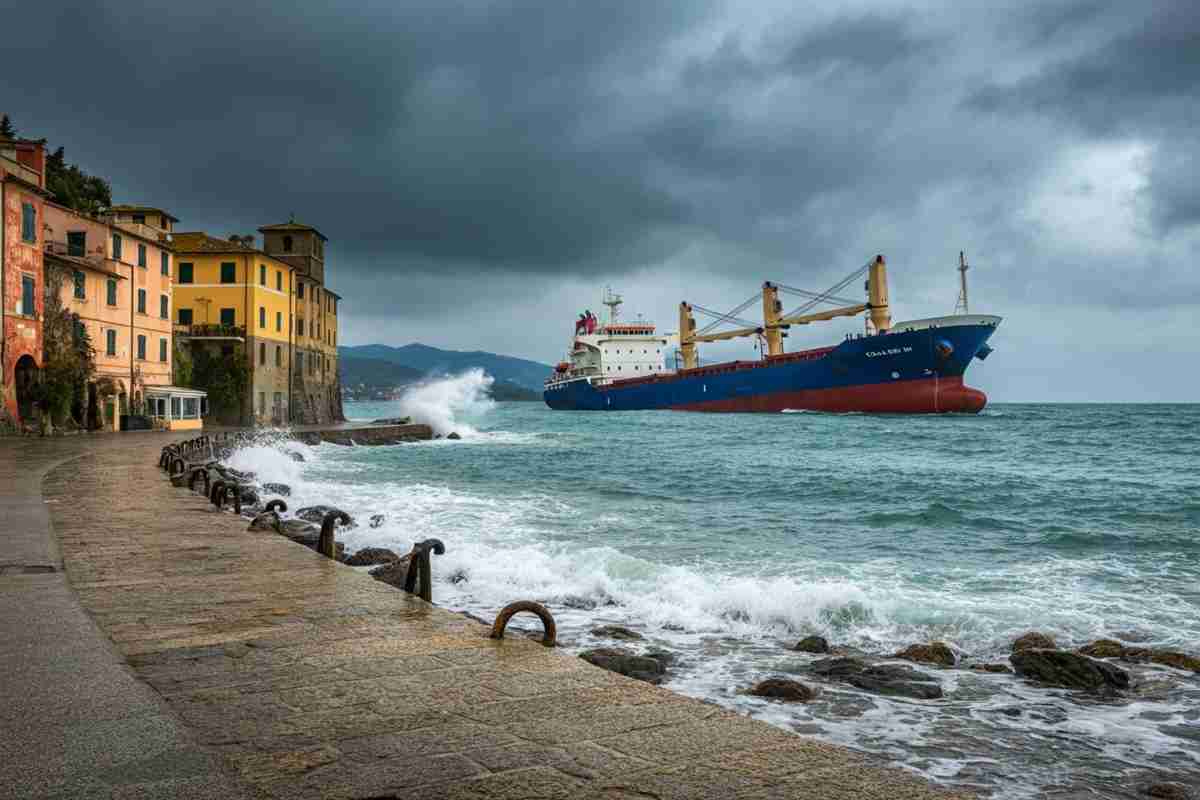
{"x": 25, "y": 376}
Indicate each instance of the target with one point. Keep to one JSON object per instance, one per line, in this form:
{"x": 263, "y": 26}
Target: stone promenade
{"x": 270, "y": 671}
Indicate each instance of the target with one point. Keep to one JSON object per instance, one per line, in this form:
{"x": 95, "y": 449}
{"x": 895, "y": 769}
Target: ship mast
{"x": 961, "y": 306}
{"x": 613, "y": 301}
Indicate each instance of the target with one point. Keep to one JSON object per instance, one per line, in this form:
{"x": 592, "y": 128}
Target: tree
{"x": 74, "y": 188}
{"x": 7, "y": 130}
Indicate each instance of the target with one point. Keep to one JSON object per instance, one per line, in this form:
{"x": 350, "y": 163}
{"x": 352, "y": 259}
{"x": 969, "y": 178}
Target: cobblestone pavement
{"x": 307, "y": 678}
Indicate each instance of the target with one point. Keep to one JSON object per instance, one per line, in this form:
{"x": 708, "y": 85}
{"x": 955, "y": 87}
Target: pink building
{"x": 22, "y": 205}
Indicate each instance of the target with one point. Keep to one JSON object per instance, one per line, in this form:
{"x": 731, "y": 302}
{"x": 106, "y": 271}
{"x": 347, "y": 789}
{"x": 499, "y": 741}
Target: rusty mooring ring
{"x": 551, "y": 632}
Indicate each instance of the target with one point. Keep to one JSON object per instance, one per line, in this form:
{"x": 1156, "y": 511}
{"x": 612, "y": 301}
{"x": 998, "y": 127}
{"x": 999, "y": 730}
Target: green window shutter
{"x": 112, "y": 291}
{"x": 185, "y": 316}
{"x": 229, "y": 316}
{"x": 80, "y": 285}
{"x": 141, "y": 254}
{"x": 116, "y": 244}
{"x": 163, "y": 311}
{"x": 110, "y": 337}
{"x": 262, "y": 317}
{"x": 28, "y": 223}
{"x": 262, "y": 274}
{"x": 162, "y": 349}
{"x": 166, "y": 263}
{"x": 279, "y": 320}
{"x": 141, "y": 296}
{"x": 141, "y": 347}
{"x": 228, "y": 272}
{"x": 186, "y": 271}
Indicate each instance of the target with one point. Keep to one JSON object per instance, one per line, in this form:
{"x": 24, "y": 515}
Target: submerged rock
{"x": 377, "y": 520}
{"x": 812, "y": 644}
{"x": 372, "y": 556}
{"x": 885, "y": 679}
{"x": 1110, "y": 648}
{"x": 616, "y": 632}
{"x": 782, "y": 689}
{"x": 1034, "y": 641}
{"x": 1103, "y": 648}
{"x": 392, "y": 573}
{"x": 1069, "y": 670}
{"x": 627, "y": 663}
{"x": 281, "y": 489}
{"x": 933, "y": 653}
{"x": 1000, "y": 669}
{"x": 317, "y": 514}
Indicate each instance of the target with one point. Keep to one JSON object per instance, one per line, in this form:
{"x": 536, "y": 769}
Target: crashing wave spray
{"x": 444, "y": 403}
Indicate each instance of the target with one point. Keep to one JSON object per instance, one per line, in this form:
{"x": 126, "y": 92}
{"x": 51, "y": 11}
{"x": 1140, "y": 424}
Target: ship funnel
{"x": 877, "y": 296}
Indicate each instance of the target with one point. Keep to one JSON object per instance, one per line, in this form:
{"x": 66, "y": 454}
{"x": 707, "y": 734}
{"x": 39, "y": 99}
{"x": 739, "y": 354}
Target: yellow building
{"x": 234, "y": 298}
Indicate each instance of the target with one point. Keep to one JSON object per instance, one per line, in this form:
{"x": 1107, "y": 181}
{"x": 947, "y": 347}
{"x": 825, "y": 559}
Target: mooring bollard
{"x": 182, "y": 467}
{"x": 216, "y": 494}
{"x": 419, "y": 568}
{"x": 550, "y": 631}
{"x": 276, "y": 505}
{"x": 326, "y": 545}
{"x": 199, "y": 472}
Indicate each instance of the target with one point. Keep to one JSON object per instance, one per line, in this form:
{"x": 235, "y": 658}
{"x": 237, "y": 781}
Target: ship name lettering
{"x": 894, "y": 351}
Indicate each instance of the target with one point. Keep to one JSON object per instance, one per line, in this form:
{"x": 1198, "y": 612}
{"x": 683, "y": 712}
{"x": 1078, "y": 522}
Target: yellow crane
{"x": 775, "y": 322}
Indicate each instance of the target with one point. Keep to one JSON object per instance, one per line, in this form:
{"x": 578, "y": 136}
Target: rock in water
{"x": 392, "y": 573}
{"x": 317, "y": 514}
{"x": 885, "y": 679}
{"x": 999, "y": 669}
{"x": 1103, "y": 648}
{"x": 627, "y": 663}
{"x": 933, "y": 653}
{"x": 453, "y": 435}
{"x": 297, "y": 457}
{"x": 812, "y": 644}
{"x": 616, "y": 632}
{"x": 782, "y": 689}
{"x": 281, "y": 489}
{"x": 1069, "y": 670}
{"x": 377, "y": 520}
{"x": 1033, "y": 641}
{"x": 1168, "y": 791}
{"x": 372, "y": 556}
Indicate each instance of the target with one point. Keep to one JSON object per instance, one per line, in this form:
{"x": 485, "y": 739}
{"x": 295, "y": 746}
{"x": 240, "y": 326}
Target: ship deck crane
{"x": 775, "y": 322}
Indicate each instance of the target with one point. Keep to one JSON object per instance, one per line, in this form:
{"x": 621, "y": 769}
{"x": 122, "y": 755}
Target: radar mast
{"x": 613, "y": 301}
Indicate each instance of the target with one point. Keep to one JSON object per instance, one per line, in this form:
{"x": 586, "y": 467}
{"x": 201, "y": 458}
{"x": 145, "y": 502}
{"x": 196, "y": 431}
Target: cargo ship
{"x": 912, "y": 367}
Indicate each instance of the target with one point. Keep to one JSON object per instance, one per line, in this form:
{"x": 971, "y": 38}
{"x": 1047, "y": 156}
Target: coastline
{"x": 309, "y": 678}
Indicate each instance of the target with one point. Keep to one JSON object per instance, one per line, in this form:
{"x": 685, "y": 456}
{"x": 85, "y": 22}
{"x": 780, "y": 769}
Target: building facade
{"x": 316, "y": 389}
{"x": 233, "y": 299}
{"x": 115, "y": 274}
{"x": 22, "y": 208}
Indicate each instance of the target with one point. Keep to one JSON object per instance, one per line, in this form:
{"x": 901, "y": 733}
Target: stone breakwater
{"x": 310, "y": 679}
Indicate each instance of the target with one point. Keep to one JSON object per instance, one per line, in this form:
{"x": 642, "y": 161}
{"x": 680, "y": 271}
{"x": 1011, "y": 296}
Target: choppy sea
{"x": 726, "y": 538}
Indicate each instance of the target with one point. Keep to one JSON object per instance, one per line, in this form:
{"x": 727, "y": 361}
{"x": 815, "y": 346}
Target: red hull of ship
{"x": 922, "y": 396}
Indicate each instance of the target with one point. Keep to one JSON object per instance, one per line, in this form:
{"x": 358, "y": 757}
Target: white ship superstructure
{"x": 614, "y": 351}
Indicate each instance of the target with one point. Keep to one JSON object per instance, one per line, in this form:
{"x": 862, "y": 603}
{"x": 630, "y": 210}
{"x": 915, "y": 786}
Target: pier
{"x": 157, "y": 648}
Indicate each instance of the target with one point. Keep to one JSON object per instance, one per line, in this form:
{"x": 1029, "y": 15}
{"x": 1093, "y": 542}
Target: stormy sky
{"x": 484, "y": 169}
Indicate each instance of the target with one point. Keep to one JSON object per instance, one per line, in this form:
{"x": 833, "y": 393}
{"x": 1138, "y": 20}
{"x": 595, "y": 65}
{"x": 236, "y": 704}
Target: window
{"x": 186, "y": 271}
{"x": 278, "y": 356}
{"x": 110, "y": 342}
{"x": 166, "y": 222}
{"x": 279, "y": 320}
{"x": 279, "y": 280}
{"x": 116, "y": 244}
{"x": 287, "y": 246}
{"x": 77, "y": 243}
{"x": 162, "y": 349}
{"x": 176, "y": 407}
{"x": 229, "y": 316}
{"x": 262, "y": 354}
{"x": 141, "y": 254}
{"x": 300, "y": 289}
{"x": 228, "y": 272}
{"x": 28, "y": 223}
{"x": 300, "y": 327}
{"x": 278, "y": 402}
{"x": 262, "y": 403}
{"x": 80, "y": 285}
{"x": 262, "y": 274}
{"x": 262, "y": 317}
{"x": 112, "y": 291}
{"x": 163, "y": 311}
{"x": 300, "y": 362}
{"x": 185, "y": 316}
{"x": 141, "y": 301}
{"x": 166, "y": 263}
{"x": 141, "y": 347}
{"x": 28, "y": 295}
{"x": 191, "y": 408}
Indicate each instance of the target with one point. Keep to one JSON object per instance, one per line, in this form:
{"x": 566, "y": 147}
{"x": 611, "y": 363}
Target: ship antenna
{"x": 613, "y": 301}
{"x": 961, "y": 306}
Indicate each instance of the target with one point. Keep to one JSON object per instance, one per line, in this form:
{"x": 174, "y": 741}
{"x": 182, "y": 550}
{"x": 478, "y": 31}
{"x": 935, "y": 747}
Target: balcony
{"x": 212, "y": 332}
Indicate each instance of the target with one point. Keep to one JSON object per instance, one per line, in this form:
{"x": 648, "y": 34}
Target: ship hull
{"x": 907, "y": 372}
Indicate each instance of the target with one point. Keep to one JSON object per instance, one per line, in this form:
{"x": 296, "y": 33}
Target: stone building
{"x": 316, "y": 389}
{"x": 22, "y": 206}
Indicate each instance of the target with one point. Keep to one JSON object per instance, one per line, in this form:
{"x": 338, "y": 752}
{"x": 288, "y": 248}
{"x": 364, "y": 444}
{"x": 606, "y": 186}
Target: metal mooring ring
{"x": 551, "y": 632}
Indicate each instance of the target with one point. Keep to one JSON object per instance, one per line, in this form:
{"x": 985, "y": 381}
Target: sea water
{"x": 726, "y": 538}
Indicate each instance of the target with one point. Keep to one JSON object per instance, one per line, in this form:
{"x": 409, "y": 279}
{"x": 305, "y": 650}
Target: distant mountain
{"x": 375, "y": 372}
{"x": 433, "y": 360}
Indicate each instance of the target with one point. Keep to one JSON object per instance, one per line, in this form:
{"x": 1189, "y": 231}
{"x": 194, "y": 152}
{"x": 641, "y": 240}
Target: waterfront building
{"x": 234, "y": 300}
{"x": 114, "y": 271}
{"x": 315, "y": 385}
{"x": 22, "y": 204}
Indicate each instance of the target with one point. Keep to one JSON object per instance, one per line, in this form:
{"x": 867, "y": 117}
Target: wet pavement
{"x": 172, "y": 652}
